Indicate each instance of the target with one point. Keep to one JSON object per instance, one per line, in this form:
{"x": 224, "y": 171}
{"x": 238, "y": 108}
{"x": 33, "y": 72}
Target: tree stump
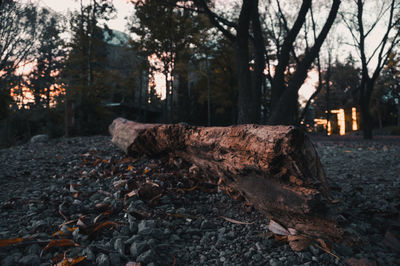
{"x": 275, "y": 168}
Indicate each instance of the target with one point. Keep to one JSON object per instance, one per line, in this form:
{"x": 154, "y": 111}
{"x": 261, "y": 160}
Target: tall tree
{"x": 372, "y": 59}
{"x": 86, "y": 64}
{"x": 18, "y": 36}
{"x": 48, "y": 60}
{"x": 172, "y": 39}
{"x": 284, "y": 93}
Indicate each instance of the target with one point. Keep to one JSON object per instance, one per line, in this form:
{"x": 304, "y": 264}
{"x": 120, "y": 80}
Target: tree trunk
{"x": 276, "y": 168}
{"x": 245, "y": 112}
{"x": 285, "y": 107}
{"x": 365, "y": 102}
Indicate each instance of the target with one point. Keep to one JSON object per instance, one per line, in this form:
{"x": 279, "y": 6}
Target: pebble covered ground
{"x": 82, "y": 201}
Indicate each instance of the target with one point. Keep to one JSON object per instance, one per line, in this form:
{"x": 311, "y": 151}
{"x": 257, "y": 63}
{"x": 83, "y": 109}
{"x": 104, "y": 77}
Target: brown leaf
{"x": 278, "y": 229}
{"x": 235, "y": 221}
{"x": 146, "y": 170}
{"x": 8, "y": 242}
{"x": 58, "y": 233}
{"x": 58, "y": 258}
{"x": 70, "y": 261}
{"x": 191, "y": 188}
{"x": 102, "y": 206}
{"x": 131, "y": 194}
{"x": 324, "y": 246}
{"x": 280, "y": 238}
{"x": 104, "y": 225}
{"x": 360, "y": 262}
{"x": 59, "y": 243}
{"x": 299, "y": 242}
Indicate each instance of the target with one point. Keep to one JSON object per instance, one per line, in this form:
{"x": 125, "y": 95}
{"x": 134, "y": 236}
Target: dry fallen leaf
{"x": 70, "y": 261}
{"x": 7, "y": 242}
{"x": 235, "y": 221}
{"x": 278, "y": 229}
{"x": 105, "y": 225}
{"x": 299, "y": 242}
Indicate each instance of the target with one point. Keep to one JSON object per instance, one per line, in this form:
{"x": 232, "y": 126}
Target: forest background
{"x": 70, "y": 74}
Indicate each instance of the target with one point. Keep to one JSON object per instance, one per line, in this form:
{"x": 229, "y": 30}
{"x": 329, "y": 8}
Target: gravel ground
{"x": 67, "y": 200}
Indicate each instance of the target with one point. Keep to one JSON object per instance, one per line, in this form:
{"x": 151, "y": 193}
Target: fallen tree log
{"x": 275, "y": 168}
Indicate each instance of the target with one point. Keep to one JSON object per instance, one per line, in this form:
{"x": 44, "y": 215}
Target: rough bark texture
{"x": 276, "y": 168}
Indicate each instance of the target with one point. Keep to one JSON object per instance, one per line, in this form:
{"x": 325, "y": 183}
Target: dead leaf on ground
{"x": 8, "y": 242}
{"x": 278, "y": 229}
{"x": 107, "y": 224}
{"x": 280, "y": 238}
{"x": 70, "y": 261}
{"x": 321, "y": 244}
{"x": 58, "y": 233}
{"x": 235, "y": 221}
{"x": 299, "y": 242}
{"x": 59, "y": 257}
{"x": 101, "y": 216}
{"x": 59, "y": 243}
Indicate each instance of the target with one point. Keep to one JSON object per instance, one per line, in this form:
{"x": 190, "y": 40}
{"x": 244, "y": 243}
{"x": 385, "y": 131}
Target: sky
{"x": 124, "y": 9}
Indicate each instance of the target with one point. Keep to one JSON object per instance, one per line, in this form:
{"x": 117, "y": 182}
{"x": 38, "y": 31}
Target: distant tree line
{"x": 245, "y": 64}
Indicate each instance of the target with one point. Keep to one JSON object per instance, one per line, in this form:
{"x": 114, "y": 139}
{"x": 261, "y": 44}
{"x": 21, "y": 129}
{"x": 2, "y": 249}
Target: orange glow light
{"x": 341, "y": 120}
{"x": 354, "y": 118}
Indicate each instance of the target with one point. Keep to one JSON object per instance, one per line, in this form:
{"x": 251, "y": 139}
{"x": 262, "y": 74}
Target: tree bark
{"x": 245, "y": 104}
{"x": 275, "y": 168}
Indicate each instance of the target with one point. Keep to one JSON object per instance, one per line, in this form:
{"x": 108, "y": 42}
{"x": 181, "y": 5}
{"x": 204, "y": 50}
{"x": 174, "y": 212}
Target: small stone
{"x": 146, "y": 227}
{"x": 115, "y": 259}
{"x": 207, "y": 225}
{"x": 137, "y": 248}
{"x": 40, "y": 138}
{"x": 256, "y": 257}
{"x": 33, "y": 249}
{"x": 89, "y": 254}
{"x": 275, "y": 262}
{"x": 119, "y": 246}
{"x": 31, "y": 259}
{"x": 314, "y": 250}
{"x": 146, "y": 257}
{"x": 135, "y": 238}
{"x": 125, "y": 231}
{"x": 102, "y": 260}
